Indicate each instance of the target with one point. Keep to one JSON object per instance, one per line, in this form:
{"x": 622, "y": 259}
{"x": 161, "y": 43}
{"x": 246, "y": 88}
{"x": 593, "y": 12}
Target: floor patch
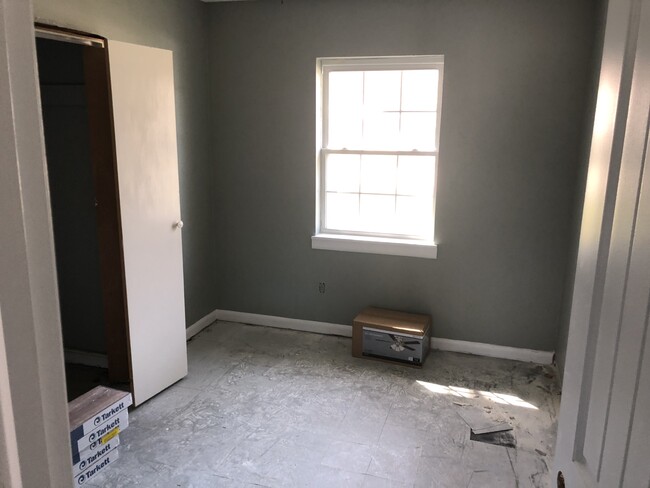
{"x": 506, "y": 439}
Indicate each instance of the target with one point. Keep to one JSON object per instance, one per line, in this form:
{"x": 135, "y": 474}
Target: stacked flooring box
{"x": 96, "y": 420}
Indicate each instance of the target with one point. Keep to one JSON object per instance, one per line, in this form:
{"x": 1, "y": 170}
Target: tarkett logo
{"x": 117, "y": 409}
{"x": 93, "y": 457}
{"x": 90, "y": 473}
{"x": 102, "y": 430}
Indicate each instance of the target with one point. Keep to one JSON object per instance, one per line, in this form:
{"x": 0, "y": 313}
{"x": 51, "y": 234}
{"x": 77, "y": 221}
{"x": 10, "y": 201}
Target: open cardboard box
{"x": 392, "y": 336}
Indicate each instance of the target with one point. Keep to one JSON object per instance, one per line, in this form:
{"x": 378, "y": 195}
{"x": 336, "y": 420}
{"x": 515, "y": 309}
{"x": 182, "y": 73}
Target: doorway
{"x": 80, "y": 153}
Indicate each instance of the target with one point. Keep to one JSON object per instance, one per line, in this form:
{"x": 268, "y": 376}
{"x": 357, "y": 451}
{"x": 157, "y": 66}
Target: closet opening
{"x": 81, "y": 164}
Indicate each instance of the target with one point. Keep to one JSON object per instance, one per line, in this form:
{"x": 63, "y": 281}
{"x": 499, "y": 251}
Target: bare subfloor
{"x": 270, "y": 407}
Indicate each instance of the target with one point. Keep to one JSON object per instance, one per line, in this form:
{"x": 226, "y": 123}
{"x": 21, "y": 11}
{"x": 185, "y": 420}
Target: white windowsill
{"x": 375, "y": 245}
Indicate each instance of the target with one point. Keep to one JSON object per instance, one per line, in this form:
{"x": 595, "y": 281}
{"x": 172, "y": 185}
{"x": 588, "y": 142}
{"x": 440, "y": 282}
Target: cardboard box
{"x": 96, "y": 468}
{"x": 93, "y": 409}
{"x": 392, "y": 336}
{"x": 93, "y": 454}
{"x": 103, "y": 433}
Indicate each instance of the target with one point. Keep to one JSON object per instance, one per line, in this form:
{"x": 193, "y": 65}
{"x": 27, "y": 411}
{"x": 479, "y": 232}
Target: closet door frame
{"x": 108, "y": 212}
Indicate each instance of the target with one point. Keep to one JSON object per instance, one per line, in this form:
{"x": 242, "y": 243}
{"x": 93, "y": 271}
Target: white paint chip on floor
{"x": 280, "y": 408}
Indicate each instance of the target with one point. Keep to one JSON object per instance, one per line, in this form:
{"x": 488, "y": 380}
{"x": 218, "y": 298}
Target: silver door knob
{"x": 178, "y": 224}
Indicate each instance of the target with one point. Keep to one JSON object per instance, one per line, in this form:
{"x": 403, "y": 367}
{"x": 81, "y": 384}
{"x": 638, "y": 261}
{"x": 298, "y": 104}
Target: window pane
{"x": 342, "y": 211}
{"x": 342, "y": 172}
{"x": 420, "y": 90}
{"x": 381, "y": 130}
{"x": 382, "y": 91}
{"x": 414, "y": 216}
{"x": 419, "y": 131}
{"x": 377, "y": 213}
{"x": 378, "y": 174}
{"x": 415, "y": 175}
{"x": 345, "y": 109}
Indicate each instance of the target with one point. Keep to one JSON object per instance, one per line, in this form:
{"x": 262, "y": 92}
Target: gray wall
{"x": 567, "y": 303}
{"x": 72, "y": 194}
{"x": 515, "y": 95}
{"x": 180, "y": 26}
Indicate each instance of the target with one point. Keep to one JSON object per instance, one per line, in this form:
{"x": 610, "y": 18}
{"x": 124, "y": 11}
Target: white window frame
{"x": 359, "y": 241}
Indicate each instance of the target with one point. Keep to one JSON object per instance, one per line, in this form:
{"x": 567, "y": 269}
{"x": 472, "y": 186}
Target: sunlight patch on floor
{"x": 458, "y": 391}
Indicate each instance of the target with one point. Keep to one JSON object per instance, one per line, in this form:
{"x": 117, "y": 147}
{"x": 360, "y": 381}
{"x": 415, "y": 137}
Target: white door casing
{"x": 33, "y": 405}
{"x": 142, "y": 85}
{"x": 604, "y": 429}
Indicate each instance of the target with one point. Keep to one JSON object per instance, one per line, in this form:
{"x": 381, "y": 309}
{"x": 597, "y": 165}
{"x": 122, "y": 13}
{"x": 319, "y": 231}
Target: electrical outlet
{"x": 321, "y": 287}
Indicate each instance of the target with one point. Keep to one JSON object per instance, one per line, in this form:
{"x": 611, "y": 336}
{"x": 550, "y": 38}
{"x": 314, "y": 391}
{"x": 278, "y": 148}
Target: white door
{"x": 604, "y": 430}
{"x": 142, "y": 84}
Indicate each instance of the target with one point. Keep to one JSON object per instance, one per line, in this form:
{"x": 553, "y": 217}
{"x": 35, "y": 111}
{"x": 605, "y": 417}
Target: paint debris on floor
{"x": 279, "y": 408}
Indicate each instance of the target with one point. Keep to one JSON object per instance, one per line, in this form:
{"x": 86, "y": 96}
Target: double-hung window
{"x": 378, "y": 125}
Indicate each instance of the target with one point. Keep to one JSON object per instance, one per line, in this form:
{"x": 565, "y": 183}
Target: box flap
{"x": 392, "y": 320}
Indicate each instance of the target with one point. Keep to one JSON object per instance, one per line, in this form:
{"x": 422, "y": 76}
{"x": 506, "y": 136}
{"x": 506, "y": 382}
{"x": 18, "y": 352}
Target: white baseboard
{"x": 285, "y": 323}
{"x": 452, "y": 345}
{"x": 200, "y": 324}
{"x": 95, "y": 359}
{"x": 492, "y": 350}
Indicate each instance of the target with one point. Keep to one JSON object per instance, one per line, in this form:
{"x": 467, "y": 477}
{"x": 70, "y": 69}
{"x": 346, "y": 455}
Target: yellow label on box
{"x": 110, "y": 435}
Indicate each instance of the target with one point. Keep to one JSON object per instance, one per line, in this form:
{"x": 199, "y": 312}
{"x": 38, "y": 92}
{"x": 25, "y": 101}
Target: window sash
{"x": 389, "y": 63}
{"x": 378, "y": 152}
{"x": 357, "y": 232}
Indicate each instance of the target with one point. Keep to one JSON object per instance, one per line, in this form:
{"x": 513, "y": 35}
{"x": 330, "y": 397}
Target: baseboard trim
{"x": 95, "y": 359}
{"x": 492, "y": 350}
{"x": 285, "y": 323}
{"x": 200, "y": 324}
{"x": 451, "y": 345}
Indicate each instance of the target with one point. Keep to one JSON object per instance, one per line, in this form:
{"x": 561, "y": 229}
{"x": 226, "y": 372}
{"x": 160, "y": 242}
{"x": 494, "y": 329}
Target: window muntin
{"x": 382, "y": 109}
{"x": 379, "y": 145}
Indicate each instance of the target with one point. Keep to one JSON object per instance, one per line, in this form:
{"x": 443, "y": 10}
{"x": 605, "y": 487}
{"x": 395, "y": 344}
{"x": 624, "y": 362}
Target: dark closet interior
{"x": 77, "y": 125}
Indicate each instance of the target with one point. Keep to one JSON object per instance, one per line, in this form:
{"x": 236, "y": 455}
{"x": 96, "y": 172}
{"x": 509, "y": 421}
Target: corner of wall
{"x": 567, "y": 300}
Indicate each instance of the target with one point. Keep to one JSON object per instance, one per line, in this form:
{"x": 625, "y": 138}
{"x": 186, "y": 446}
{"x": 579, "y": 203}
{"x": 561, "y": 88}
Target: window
{"x": 378, "y": 125}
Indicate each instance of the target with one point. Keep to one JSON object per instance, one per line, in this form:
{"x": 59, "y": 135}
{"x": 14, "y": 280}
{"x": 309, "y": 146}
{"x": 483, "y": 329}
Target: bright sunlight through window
{"x": 457, "y": 391}
{"x": 379, "y": 124}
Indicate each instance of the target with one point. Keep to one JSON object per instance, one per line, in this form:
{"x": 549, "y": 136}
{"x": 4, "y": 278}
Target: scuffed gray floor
{"x": 270, "y": 407}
